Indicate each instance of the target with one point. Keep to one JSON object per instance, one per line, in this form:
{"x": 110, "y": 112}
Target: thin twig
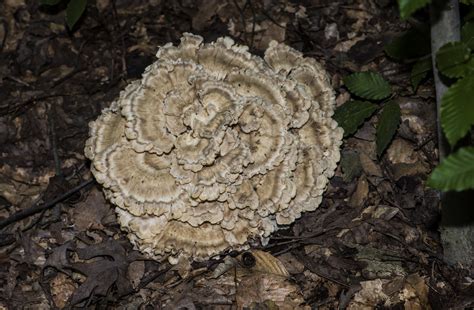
{"x": 38, "y": 208}
{"x": 122, "y": 40}
{"x": 252, "y": 37}
{"x": 242, "y": 16}
{"x": 53, "y": 140}
{"x": 6, "y": 33}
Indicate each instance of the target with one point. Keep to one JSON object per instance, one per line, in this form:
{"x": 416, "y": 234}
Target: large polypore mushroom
{"x": 215, "y": 146}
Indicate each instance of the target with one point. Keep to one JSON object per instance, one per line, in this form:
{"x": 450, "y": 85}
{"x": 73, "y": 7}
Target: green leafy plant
{"x": 455, "y": 172}
{"x": 351, "y": 115}
{"x": 457, "y": 110}
{"x": 368, "y": 85}
{"x": 74, "y": 9}
{"x": 454, "y": 60}
{"x": 373, "y": 87}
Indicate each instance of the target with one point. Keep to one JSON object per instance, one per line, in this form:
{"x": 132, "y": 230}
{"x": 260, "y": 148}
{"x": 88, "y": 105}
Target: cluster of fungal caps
{"x": 214, "y": 147}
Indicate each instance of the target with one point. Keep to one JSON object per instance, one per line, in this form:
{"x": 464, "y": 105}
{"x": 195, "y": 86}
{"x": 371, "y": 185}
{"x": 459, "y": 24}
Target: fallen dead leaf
{"x": 415, "y": 293}
{"x": 92, "y": 212}
{"x": 102, "y": 265}
{"x": 262, "y": 261}
{"x": 291, "y": 263}
{"x": 401, "y": 170}
{"x": 369, "y": 166}
{"x": 259, "y": 289}
{"x": 346, "y": 45}
{"x": 62, "y": 287}
{"x": 369, "y": 296}
{"x": 207, "y": 10}
{"x": 20, "y": 187}
{"x": 402, "y": 151}
{"x": 359, "y": 197}
{"x": 135, "y": 272}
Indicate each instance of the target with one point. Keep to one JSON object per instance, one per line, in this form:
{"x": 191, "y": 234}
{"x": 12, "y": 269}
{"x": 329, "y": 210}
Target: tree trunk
{"x": 457, "y": 225}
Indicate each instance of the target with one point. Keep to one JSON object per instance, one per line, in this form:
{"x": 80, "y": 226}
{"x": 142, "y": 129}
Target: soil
{"x": 372, "y": 244}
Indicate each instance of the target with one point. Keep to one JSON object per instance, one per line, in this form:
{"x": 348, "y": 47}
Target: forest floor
{"x": 372, "y": 244}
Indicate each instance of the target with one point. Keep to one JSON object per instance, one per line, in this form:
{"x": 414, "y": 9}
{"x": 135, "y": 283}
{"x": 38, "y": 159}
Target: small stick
{"x": 38, "y": 208}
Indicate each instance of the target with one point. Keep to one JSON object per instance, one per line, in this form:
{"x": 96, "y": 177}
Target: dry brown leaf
{"x": 415, "y": 293}
{"x": 102, "y": 4}
{"x": 262, "y": 262}
{"x": 183, "y": 267}
{"x": 207, "y": 10}
{"x": 359, "y": 196}
{"x": 265, "y": 283}
{"x": 135, "y": 272}
{"x": 369, "y": 296}
{"x": 401, "y": 151}
{"x": 293, "y": 265}
{"x": 401, "y": 170}
{"x": 260, "y": 288}
{"x": 271, "y": 32}
{"x": 62, "y": 287}
{"x": 369, "y": 166}
{"x": 420, "y": 117}
{"x": 91, "y": 212}
{"x": 411, "y": 290}
{"x": 20, "y": 186}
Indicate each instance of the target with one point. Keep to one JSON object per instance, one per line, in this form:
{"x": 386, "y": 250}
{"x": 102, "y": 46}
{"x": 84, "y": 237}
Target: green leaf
{"x": 74, "y": 11}
{"x": 352, "y": 114}
{"x": 452, "y": 59}
{"x": 407, "y": 7}
{"x": 411, "y": 44}
{"x": 467, "y": 34}
{"x": 467, "y": 2}
{"x": 368, "y": 85}
{"x": 49, "y": 2}
{"x": 350, "y": 165}
{"x": 457, "y": 109}
{"x": 387, "y": 126}
{"x": 420, "y": 71}
{"x": 455, "y": 172}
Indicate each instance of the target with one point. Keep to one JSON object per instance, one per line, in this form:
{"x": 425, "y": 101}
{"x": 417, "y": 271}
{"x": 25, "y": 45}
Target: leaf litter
{"x": 372, "y": 243}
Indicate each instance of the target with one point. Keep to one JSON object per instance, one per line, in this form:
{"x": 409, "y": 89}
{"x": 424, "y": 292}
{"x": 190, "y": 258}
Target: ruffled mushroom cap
{"x": 215, "y": 147}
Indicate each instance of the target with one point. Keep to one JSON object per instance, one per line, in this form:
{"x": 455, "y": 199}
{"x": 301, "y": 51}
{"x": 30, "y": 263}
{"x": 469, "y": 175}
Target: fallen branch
{"x": 18, "y": 216}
